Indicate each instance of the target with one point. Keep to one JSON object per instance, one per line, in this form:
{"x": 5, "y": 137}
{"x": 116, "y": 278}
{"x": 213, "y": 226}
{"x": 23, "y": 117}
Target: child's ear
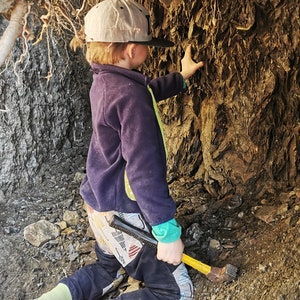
{"x": 130, "y": 49}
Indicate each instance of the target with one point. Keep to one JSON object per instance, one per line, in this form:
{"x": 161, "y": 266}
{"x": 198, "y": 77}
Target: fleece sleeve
{"x": 167, "y": 86}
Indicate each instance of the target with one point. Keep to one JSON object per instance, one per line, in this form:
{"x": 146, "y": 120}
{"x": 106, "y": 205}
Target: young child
{"x": 126, "y": 164}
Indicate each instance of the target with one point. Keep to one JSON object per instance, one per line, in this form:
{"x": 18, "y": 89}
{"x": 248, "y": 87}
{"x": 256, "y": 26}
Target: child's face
{"x": 140, "y": 55}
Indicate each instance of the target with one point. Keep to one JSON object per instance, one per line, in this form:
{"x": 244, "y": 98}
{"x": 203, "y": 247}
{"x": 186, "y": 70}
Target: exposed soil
{"x": 266, "y": 250}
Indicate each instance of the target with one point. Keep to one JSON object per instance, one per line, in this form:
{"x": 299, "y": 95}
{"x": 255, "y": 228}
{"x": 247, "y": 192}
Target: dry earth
{"x": 261, "y": 238}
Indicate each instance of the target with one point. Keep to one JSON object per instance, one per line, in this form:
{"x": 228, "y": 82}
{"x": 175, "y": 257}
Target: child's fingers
{"x": 200, "y": 64}
{"x": 188, "y": 50}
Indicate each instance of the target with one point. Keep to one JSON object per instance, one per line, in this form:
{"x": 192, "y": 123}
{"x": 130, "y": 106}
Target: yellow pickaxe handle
{"x": 196, "y": 264}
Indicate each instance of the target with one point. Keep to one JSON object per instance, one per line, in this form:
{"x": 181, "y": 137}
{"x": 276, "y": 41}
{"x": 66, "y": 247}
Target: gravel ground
{"x": 261, "y": 238}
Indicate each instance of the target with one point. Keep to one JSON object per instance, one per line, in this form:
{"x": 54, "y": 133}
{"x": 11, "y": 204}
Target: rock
{"x": 67, "y": 231}
{"x": 133, "y": 285}
{"x": 85, "y": 247}
{"x": 295, "y": 220}
{"x": 2, "y": 197}
{"x": 62, "y": 225}
{"x": 11, "y": 229}
{"x": 262, "y": 268}
{"x": 235, "y": 201}
{"x": 40, "y": 232}
{"x": 71, "y": 217}
{"x": 89, "y": 233}
{"x": 270, "y": 213}
{"x": 228, "y": 245}
{"x": 73, "y": 254}
{"x": 213, "y": 249}
{"x": 228, "y": 224}
{"x": 284, "y": 197}
{"x": 193, "y": 234}
{"x": 78, "y": 177}
{"x": 214, "y": 244}
{"x": 241, "y": 215}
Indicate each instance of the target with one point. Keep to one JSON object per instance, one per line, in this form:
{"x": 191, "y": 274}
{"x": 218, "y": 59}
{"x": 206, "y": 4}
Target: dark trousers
{"x": 92, "y": 281}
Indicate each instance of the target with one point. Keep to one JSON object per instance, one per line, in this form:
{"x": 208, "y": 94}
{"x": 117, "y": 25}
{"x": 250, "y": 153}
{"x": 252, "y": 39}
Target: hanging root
{"x": 13, "y": 30}
{"x": 25, "y": 42}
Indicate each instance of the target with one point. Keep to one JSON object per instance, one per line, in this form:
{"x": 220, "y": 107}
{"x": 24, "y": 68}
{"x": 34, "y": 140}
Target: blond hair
{"x": 98, "y": 52}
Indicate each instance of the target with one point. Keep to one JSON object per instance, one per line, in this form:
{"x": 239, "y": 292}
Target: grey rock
{"x": 40, "y": 232}
{"x": 71, "y": 217}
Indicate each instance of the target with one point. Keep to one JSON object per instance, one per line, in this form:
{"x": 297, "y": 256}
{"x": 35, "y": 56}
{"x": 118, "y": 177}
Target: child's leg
{"x": 161, "y": 280}
{"x": 92, "y": 281}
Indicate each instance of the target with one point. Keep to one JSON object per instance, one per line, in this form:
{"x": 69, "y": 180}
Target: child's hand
{"x": 189, "y": 67}
{"x": 170, "y": 252}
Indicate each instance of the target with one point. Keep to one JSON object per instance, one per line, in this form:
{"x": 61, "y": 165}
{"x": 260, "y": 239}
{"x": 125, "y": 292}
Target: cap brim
{"x": 156, "y": 42}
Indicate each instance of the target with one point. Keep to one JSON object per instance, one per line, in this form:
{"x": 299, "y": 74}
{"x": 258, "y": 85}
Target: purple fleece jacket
{"x": 126, "y": 134}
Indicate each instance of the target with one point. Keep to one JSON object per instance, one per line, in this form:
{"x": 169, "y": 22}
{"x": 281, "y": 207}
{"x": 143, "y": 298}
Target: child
{"x": 126, "y": 164}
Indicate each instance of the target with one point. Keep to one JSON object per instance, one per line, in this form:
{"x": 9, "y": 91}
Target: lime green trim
{"x": 158, "y": 117}
{"x": 128, "y": 189}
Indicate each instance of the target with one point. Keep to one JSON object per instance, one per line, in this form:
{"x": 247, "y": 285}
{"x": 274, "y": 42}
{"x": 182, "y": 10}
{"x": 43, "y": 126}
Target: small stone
{"x": 86, "y": 247}
{"x": 193, "y": 234}
{"x": 284, "y": 197}
{"x": 294, "y": 220}
{"x": 264, "y": 201}
{"x": 235, "y": 201}
{"x": 262, "y": 268}
{"x": 73, "y": 254}
{"x": 67, "y": 231}
{"x": 90, "y": 233}
{"x": 228, "y": 224}
{"x": 40, "y": 232}
{"x": 10, "y": 221}
{"x": 11, "y": 229}
{"x": 2, "y": 197}
{"x": 62, "y": 225}
{"x": 71, "y": 217}
{"x": 214, "y": 244}
{"x": 133, "y": 285}
{"x": 229, "y": 245}
{"x": 241, "y": 215}
{"x": 270, "y": 213}
{"x": 78, "y": 177}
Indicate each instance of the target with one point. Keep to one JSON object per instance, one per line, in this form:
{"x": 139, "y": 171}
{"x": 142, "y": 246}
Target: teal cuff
{"x": 184, "y": 85}
{"x": 167, "y": 232}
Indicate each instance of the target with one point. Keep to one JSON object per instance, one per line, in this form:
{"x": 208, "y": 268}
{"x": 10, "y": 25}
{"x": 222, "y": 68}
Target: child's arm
{"x": 172, "y": 84}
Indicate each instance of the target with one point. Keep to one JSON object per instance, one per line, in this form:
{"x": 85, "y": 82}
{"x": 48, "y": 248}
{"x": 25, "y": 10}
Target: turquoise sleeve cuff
{"x": 184, "y": 85}
{"x": 167, "y": 232}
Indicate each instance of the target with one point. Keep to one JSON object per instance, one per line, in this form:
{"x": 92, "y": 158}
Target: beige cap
{"x": 120, "y": 21}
